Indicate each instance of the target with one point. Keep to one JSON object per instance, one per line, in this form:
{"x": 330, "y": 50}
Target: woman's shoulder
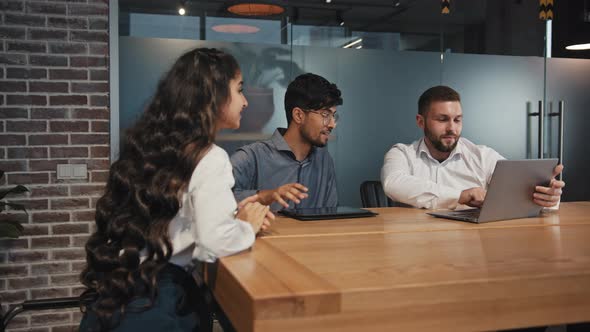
{"x": 213, "y": 165}
{"x": 214, "y": 155}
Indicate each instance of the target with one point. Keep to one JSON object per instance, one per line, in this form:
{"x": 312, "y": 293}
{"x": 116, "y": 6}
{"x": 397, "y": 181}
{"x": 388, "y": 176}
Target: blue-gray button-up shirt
{"x": 270, "y": 164}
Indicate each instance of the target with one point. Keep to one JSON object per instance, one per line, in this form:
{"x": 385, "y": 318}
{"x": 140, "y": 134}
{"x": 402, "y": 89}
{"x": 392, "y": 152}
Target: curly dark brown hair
{"x": 157, "y": 159}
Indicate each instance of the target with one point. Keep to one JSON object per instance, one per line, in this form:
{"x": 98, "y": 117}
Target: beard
{"x": 438, "y": 143}
{"x": 317, "y": 141}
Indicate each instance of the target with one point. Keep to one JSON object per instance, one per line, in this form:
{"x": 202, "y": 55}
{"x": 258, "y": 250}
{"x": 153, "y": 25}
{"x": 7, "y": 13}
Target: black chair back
{"x": 372, "y": 195}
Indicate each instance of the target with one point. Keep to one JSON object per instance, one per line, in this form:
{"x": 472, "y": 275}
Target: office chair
{"x": 44, "y": 304}
{"x": 372, "y": 195}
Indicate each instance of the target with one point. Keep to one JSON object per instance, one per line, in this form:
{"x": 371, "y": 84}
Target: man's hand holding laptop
{"x": 550, "y": 196}
{"x": 543, "y": 196}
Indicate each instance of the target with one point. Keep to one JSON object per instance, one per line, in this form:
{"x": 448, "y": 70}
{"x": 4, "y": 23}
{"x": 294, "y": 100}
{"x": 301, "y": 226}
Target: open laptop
{"x": 510, "y": 193}
{"x": 338, "y": 212}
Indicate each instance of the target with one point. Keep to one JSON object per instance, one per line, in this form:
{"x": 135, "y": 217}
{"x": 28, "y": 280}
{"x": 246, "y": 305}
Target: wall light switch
{"x": 64, "y": 171}
{"x": 79, "y": 171}
{"x": 72, "y": 171}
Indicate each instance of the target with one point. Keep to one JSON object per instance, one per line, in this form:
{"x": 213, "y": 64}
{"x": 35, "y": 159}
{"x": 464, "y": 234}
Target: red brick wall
{"x": 53, "y": 110}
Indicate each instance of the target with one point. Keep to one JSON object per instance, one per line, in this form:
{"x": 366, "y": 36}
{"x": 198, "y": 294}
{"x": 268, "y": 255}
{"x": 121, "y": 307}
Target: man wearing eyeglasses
{"x": 293, "y": 168}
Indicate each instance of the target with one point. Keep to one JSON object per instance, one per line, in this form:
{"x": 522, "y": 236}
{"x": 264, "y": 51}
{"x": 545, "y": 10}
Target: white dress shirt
{"x": 412, "y": 176}
{"x": 205, "y": 227}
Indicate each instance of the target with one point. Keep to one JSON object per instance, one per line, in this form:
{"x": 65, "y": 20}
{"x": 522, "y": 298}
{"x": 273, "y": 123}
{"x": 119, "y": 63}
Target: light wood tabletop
{"x": 391, "y": 220}
{"x": 383, "y": 274}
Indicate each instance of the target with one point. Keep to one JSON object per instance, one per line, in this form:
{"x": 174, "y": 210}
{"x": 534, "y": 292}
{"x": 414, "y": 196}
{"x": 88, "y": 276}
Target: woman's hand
{"x": 256, "y": 214}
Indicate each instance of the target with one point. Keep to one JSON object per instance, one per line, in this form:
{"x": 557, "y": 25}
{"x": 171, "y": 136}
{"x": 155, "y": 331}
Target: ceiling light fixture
{"x": 352, "y": 43}
{"x": 339, "y": 18}
{"x": 578, "y": 47}
{"x": 267, "y": 8}
{"x": 577, "y": 39}
{"x": 445, "y": 7}
{"x": 328, "y": 1}
{"x": 182, "y": 9}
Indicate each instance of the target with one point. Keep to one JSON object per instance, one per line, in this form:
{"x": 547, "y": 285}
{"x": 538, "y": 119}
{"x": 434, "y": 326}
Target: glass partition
{"x": 162, "y": 26}
{"x": 323, "y": 36}
{"x": 490, "y": 51}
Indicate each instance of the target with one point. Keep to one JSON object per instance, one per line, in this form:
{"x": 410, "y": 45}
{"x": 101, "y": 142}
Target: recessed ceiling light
{"x": 182, "y": 8}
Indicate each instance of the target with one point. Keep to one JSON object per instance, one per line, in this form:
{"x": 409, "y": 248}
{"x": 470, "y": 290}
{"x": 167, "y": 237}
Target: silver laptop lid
{"x": 510, "y": 192}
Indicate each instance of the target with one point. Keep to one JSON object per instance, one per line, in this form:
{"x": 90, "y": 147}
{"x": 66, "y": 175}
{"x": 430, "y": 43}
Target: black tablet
{"x": 338, "y": 212}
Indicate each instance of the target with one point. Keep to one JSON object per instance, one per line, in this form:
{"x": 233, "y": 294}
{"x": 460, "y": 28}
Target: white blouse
{"x": 205, "y": 227}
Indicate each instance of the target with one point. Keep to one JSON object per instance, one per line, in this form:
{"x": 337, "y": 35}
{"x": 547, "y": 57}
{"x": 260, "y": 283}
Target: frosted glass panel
{"x": 325, "y": 36}
{"x": 163, "y": 26}
{"x": 266, "y": 71}
{"x": 380, "y": 91}
{"x": 495, "y": 91}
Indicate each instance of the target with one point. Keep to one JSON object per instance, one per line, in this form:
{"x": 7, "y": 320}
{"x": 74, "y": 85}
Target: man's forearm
{"x": 420, "y": 193}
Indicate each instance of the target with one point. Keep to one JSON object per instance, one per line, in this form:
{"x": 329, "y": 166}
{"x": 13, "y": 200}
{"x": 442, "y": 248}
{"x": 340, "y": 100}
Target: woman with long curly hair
{"x": 168, "y": 202}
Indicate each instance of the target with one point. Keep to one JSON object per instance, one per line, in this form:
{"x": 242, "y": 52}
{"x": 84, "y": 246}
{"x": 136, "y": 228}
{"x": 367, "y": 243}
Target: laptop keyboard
{"x": 471, "y": 214}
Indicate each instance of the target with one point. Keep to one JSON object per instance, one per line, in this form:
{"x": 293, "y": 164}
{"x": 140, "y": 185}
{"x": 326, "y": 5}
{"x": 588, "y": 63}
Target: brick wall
{"x": 53, "y": 110}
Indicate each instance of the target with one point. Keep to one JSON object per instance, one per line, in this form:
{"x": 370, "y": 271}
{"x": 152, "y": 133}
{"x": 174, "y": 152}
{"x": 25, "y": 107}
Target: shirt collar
{"x": 278, "y": 140}
{"x": 457, "y": 151}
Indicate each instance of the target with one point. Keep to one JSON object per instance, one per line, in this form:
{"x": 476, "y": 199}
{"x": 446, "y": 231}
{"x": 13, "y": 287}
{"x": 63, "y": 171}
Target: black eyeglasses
{"x": 327, "y": 116}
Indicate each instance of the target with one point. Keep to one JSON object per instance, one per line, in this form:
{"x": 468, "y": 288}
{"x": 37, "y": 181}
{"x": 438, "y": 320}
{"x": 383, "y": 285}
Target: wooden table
{"x": 405, "y": 270}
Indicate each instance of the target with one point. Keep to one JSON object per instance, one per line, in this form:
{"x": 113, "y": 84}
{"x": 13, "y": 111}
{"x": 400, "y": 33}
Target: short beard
{"x": 314, "y": 142}
{"x": 437, "y": 143}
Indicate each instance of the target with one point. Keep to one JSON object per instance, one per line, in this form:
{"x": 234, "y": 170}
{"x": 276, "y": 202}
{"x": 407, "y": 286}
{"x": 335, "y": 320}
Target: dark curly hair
{"x": 157, "y": 159}
{"x": 311, "y": 92}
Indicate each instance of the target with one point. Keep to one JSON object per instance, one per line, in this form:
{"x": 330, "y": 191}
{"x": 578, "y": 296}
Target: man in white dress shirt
{"x": 443, "y": 170}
